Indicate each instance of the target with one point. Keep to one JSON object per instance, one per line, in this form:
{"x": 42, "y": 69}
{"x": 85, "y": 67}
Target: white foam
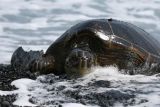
{"x": 23, "y": 93}
{"x": 44, "y": 92}
{"x": 23, "y": 98}
{"x": 76, "y": 105}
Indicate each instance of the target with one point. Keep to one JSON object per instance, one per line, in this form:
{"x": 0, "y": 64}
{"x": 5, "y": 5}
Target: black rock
{"x": 6, "y": 101}
{"x": 101, "y": 83}
{"x": 7, "y": 75}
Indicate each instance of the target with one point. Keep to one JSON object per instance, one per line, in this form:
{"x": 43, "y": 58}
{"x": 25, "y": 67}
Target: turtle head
{"x": 79, "y": 62}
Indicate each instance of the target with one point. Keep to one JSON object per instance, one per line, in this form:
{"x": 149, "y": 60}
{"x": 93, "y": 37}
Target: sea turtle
{"x": 96, "y": 42}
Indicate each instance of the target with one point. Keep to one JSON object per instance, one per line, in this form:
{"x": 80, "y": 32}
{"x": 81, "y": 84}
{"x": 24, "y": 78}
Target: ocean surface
{"x": 35, "y": 24}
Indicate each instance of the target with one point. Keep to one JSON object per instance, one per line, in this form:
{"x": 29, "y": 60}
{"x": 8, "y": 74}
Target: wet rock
{"x": 7, "y": 75}
{"x": 95, "y": 92}
{"x": 103, "y": 99}
{"x": 6, "y": 104}
{"x": 101, "y": 83}
{"x": 21, "y": 59}
{"x": 6, "y": 101}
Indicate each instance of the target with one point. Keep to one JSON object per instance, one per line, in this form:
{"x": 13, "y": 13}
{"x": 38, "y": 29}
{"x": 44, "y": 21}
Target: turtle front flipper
{"x": 43, "y": 65}
{"x": 79, "y": 62}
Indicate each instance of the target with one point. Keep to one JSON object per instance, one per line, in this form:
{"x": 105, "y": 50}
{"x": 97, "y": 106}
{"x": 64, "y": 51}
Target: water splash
{"x": 103, "y": 87}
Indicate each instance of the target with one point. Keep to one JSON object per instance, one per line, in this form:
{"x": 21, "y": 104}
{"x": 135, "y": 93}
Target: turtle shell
{"x": 105, "y": 38}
